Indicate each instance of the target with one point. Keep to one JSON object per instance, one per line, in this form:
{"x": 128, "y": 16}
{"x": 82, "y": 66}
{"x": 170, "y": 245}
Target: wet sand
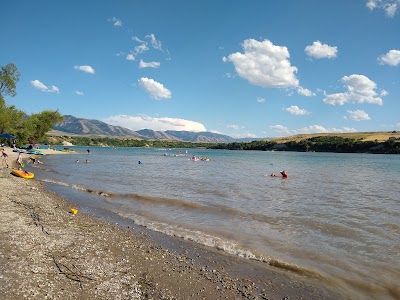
{"x": 48, "y": 253}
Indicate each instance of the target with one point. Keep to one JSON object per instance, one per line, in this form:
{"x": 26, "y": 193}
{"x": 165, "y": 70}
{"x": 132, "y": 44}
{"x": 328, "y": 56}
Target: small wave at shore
{"x": 196, "y": 236}
{"x": 354, "y": 284}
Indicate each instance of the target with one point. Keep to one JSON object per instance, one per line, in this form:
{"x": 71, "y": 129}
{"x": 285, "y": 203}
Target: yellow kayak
{"x": 22, "y": 173}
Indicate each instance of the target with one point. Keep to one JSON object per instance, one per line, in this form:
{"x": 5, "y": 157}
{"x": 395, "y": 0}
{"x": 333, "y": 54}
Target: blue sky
{"x": 242, "y": 68}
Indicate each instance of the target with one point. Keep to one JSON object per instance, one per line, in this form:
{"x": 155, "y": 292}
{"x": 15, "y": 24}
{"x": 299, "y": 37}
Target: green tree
{"x": 11, "y": 119}
{"x": 9, "y": 76}
{"x": 37, "y": 125}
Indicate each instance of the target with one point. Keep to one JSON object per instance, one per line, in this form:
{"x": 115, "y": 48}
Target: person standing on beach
{"x": 20, "y": 162}
{"x": 5, "y": 157}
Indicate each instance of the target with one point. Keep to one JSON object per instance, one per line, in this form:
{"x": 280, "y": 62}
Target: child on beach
{"x": 20, "y": 162}
{"x": 5, "y": 157}
{"x": 34, "y": 160}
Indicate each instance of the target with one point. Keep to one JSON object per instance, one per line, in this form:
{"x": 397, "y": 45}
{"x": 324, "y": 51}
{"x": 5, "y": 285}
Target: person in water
{"x": 34, "y": 160}
{"x": 284, "y": 174}
{"x": 273, "y": 175}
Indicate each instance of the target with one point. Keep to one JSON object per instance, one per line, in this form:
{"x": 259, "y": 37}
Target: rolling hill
{"x": 94, "y": 128}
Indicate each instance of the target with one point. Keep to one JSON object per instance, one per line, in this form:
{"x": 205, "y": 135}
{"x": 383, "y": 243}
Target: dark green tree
{"x": 9, "y": 76}
{"x": 37, "y": 125}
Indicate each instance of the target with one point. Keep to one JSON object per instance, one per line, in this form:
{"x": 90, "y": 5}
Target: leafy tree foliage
{"x": 9, "y": 77}
{"x": 37, "y": 125}
{"x": 14, "y": 121}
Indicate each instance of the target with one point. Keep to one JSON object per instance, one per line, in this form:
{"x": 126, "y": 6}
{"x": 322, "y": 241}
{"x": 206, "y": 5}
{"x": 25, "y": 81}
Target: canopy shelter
{"x": 7, "y": 136}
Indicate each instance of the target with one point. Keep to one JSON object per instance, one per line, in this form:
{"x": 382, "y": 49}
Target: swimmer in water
{"x": 284, "y": 174}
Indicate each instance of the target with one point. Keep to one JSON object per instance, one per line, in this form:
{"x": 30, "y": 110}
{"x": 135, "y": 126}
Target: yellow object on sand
{"x": 22, "y": 173}
{"x": 73, "y": 211}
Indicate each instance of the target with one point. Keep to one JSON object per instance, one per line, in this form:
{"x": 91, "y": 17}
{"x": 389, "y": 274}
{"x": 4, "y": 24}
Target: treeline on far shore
{"x": 315, "y": 144}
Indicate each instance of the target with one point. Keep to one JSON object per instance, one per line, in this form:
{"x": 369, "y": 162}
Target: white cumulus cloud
{"x": 295, "y": 110}
{"x": 152, "y": 64}
{"x": 360, "y": 89}
{"x": 156, "y": 44}
{"x": 319, "y": 50}
{"x": 305, "y": 92}
{"x": 40, "y": 86}
{"x": 392, "y": 58}
{"x": 155, "y": 89}
{"x": 117, "y": 22}
{"x": 130, "y": 56}
{"x": 384, "y": 93}
{"x": 87, "y": 69}
{"x": 235, "y": 127}
{"x": 283, "y": 130}
{"x": 389, "y": 6}
{"x": 264, "y": 64}
{"x": 260, "y": 100}
{"x": 358, "y": 115}
{"x": 80, "y": 93}
{"x": 159, "y": 124}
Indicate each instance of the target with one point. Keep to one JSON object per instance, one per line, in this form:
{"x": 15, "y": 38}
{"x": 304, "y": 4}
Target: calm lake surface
{"x": 336, "y": 217}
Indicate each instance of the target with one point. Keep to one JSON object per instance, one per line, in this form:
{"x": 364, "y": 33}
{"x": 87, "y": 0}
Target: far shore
{"x": 47, "y": 252}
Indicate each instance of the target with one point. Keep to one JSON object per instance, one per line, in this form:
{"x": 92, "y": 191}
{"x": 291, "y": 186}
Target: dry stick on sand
{"x": 34, "y": 215}
{"x": 70, "y": 274}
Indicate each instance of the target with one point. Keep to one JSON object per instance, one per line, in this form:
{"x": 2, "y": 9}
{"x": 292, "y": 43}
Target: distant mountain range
{"x": 79, "y": 126}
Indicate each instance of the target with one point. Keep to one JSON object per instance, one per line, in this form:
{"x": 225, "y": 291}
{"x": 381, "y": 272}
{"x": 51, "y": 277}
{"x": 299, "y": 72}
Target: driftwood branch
{"x": 34, "y": 215}
{"x": 72, "y": 273}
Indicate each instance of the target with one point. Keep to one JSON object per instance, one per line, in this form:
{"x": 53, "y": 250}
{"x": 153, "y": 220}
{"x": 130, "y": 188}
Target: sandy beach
{"x": 49, "y": 253}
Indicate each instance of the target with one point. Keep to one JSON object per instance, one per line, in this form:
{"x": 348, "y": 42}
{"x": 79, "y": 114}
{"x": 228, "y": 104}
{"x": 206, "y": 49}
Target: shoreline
{"x": 47, "y": 251}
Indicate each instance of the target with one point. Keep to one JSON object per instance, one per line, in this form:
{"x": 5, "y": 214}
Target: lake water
{"x": 336, "y": 217}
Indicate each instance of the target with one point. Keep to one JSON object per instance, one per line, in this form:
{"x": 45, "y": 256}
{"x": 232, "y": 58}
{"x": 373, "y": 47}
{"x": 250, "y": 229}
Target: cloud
{"x": 156, "y": 89}
{"x": 87, "y": 69}
{"x": 80, "y": 93}
{"x": 160, "y": 124}
{"x": 140, "y": 49}
{"x": 154, "y": 42}
{"x": 310, "y": 129}
{"x": 244, "y": 135}
{"x": 305, "y": 92}
{"x": 117, "y": 22}
{"x": 319, "y": 50}
{"x": 358, "y": 115}
{"x": 153, "y": 64}
{"x": 389, "y": 6}
{"x": 360, "y": 89}
{"x": 144, "y": 45}
{"x": 295, "y": 110}
{"x": 260, "y": 100}
{"x": 264, "y": 64}
{"x": 235, "y": 127}
{"x": 384, "y": 93}
{"x": 392, "y": 58}
{"x": 130, "y": 57}
{"x": 40, "y": 86}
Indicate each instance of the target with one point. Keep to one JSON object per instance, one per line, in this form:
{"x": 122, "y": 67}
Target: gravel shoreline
{"x": 48, "y": 253}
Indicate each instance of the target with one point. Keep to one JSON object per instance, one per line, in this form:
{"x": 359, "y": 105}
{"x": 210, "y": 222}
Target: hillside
{"x": 362, "y": 136}
{"x": 80, "y": 126}
{"x": 72, "y": 126}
